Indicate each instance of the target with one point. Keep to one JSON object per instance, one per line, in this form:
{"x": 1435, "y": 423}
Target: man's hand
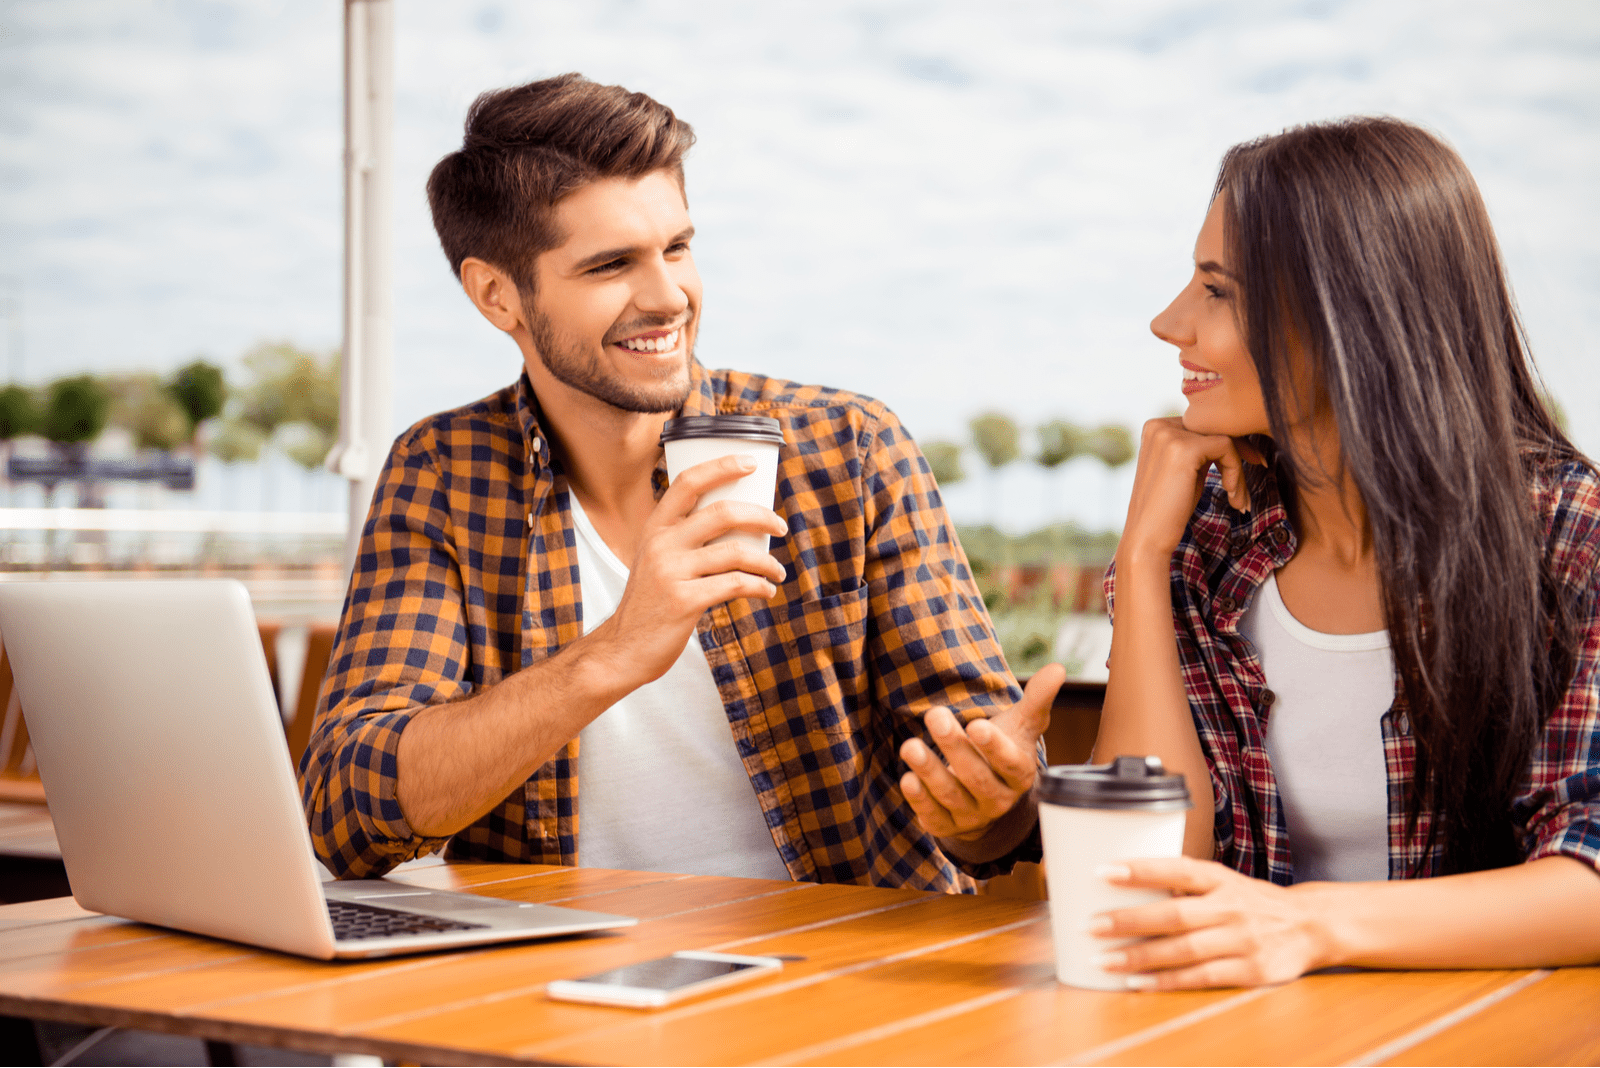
{"x": 988, "y": 768}
{"x": 677, "y": 575}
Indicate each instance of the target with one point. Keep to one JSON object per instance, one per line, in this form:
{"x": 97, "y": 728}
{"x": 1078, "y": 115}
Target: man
{"x": 542, "y": 658}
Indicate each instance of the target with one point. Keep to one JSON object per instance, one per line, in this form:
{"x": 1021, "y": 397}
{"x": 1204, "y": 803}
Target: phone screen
{"x": 667, "y": 973}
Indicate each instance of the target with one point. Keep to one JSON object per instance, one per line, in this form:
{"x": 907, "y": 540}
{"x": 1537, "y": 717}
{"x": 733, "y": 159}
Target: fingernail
{"x": 746, "y": 461}
{"x": 1113, "y": 873}
{"x": 1140, "y": 982}
{"x": 1111, "y": 960}
{"x": 939, "y": 725}
{"x": 1099, "y": 925}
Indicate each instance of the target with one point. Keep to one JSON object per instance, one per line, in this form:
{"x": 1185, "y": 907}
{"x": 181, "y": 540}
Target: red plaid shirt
{"x": 1222, "y": 561}
{"x": 468, "y": 572}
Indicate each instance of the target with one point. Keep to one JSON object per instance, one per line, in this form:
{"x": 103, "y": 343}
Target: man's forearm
{"x": 457, "y": 761}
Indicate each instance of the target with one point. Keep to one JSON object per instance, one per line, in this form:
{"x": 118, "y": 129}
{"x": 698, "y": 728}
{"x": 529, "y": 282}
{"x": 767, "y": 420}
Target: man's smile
{"x": 652, "y": 341}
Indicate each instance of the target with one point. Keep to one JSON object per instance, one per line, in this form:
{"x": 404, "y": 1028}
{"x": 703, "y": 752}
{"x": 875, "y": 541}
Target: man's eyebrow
{"x": 607, "y": 255}
{"x": 1213, "y": 267}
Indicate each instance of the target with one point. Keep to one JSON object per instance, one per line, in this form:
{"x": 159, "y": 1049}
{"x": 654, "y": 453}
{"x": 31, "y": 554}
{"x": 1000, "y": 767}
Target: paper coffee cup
{"x": 697, "y": 438}
{"x": 1092, "y": 815}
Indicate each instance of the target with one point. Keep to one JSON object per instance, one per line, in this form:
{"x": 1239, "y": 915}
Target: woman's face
{"x": 1219, "y": 378}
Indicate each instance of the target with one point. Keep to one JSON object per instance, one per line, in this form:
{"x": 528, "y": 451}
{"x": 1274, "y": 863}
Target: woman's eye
{"x": 1217, "y": 292}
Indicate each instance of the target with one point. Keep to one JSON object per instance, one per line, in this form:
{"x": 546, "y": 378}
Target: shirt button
{"x": 1239, "y": 543}
{"x": 538, "y": 445}
{"x": 1267, "y": 698}
{"x": 1225, "y": 604}
{"x": 1280, "y": 536}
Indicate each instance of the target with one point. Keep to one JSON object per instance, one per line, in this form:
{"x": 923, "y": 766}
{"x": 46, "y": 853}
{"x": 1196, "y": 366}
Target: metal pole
{"x": 366, "y": 374}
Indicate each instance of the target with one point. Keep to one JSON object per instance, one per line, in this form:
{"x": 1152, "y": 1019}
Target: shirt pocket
{"x": 824, "y": 644}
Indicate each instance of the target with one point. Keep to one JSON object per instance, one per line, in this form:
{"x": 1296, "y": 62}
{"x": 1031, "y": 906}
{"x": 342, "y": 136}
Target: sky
{"x": 954, "y": 207}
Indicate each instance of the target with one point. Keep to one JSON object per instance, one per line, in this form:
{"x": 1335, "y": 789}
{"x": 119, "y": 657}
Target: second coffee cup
{"x": 694, "y": 439}
{"x": 1092, "y": 815}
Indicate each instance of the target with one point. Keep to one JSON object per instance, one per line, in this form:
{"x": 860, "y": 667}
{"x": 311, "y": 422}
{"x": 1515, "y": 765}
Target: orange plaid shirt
{"x": 468, "y": 572}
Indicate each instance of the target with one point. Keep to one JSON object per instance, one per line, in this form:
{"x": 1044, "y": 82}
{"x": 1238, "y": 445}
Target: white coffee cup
{"x": 695, "y": 439}
{"x": 1091, "y": 816}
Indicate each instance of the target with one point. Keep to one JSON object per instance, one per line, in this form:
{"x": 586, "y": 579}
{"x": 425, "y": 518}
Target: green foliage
{"x": 1558, "y": 414}
{"x": 996, "y": 438}
{"x": 142, "y": 405}
{"x": 291, "y": 385}
{"x": 1112, "y": 443}
{"x": 200, "y": 391}
{"x": 235, "y": 441}
{"x": 304, "y": 444}
{"x": 1059, "y": 441}
{"x": 944, "y": 458}
{"x": 75, "y": 409}
{"x": 19, "y": 412}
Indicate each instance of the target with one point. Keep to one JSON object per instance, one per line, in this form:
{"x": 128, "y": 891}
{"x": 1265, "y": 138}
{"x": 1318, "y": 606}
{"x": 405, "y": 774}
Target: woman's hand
{"x": 1173, "y": 463}
{"x": 1220, "y": 929}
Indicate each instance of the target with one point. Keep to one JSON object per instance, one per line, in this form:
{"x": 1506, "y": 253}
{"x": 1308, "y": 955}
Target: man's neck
{"x": 608, "y": 456}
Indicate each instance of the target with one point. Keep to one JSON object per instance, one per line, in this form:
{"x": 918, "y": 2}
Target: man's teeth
{"x": 1200, "y": 376}
{"x": 665, "y": 343}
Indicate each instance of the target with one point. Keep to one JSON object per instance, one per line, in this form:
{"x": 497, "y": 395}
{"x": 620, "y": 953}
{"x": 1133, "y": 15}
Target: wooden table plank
{"x": 1554, "y": 1020}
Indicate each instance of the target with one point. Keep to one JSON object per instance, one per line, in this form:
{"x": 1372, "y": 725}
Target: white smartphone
{"x": 653, "y": 983}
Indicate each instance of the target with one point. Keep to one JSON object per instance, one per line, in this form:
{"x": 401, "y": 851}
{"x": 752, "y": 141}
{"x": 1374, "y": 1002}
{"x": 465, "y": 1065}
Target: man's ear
{"x": 493, "y": 292}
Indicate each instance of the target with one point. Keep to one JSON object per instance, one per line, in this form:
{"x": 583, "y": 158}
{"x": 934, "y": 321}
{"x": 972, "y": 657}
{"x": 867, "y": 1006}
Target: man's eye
{"x": 678, "y": 248}
{"x": 607, "y": 268}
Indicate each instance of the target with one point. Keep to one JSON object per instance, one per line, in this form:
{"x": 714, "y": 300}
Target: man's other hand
{"x": 677, "y": 574}
{"x": 988, "y": 768}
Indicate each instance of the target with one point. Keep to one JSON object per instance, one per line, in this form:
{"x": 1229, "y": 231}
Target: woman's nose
{"x": 1169, "y": 325}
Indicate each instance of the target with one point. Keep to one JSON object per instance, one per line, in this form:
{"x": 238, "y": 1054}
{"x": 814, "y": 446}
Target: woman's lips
{"x": 1198, "y": 379}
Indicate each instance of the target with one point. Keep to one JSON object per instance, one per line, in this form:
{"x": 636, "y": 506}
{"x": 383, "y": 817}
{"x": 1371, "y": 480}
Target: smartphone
{"x": 653, "y": 983}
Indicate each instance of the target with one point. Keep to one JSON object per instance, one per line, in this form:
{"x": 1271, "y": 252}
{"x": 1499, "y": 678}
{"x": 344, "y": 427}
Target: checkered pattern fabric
{"x": 1222, "y": 561}
{"x": 468, "y": 572}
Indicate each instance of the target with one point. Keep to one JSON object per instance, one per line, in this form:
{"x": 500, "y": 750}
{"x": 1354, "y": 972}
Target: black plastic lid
{"x": 1129, "y": 782}
{"x": 747, "y": 427}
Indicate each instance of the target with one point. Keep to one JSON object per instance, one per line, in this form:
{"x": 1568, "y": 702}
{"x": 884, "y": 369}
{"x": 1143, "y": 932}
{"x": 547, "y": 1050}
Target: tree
{"x": 999, "y": 442}
{"x": 944, "y": 458}
{"x": 292, "y": 386}
{"x": 75, "y": 410}
{"x": 200, "y": 391}
{"x": 142, "y": 405}
{"x": 1113, "y": 445}
{"x": 1059, "y": 441}
{"x": 19, "y": 412}
{"x": 237, "y": 440}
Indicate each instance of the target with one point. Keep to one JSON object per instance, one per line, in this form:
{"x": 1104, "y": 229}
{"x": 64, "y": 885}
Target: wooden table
{"x": 889, "y": 977}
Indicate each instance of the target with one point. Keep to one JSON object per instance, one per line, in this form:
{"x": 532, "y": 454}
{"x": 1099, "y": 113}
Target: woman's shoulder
{"x": 1566, "y": 496}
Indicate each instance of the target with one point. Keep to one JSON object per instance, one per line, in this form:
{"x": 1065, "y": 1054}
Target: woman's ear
{"x": 493, "y": 292}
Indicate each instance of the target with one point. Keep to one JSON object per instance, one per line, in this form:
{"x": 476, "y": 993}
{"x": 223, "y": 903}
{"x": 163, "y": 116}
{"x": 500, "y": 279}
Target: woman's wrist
{"x": 1329, "y": 924}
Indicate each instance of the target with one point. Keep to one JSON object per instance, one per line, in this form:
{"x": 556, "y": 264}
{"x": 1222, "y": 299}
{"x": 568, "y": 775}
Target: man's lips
{"x": 652, "y": 341}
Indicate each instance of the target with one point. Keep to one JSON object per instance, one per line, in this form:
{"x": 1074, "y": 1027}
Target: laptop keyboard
{"x": 353, "y": 922}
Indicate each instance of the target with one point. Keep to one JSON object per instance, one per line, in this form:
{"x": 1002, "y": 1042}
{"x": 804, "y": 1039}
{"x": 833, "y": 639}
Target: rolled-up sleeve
{"x": 401, "y": 645}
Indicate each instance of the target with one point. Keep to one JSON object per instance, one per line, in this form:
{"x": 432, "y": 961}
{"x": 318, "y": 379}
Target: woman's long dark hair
{"x": 1365, "y": 246}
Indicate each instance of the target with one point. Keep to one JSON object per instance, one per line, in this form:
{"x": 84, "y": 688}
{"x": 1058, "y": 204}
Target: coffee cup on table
{"x": 1091, "y": 816}
{"x": 695, "y": 439}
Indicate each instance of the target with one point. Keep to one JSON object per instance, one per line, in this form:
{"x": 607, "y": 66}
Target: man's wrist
{"x": 999, "y": 838}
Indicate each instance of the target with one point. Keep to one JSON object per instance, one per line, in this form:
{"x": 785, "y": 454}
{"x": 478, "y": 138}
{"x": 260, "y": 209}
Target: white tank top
{"x": 1325, "y": 739}
{"x": 660, "y": 784}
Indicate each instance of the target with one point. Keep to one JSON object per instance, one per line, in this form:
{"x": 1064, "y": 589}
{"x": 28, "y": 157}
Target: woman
{"x": 1367, "y": 522}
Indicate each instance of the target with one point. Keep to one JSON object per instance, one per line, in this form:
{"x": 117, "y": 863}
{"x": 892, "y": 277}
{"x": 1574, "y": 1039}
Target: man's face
{"x": 617, "y": 304}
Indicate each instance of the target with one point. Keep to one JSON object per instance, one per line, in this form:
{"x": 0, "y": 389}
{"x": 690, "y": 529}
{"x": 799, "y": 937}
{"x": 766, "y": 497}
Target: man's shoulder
{"x": 805, "y": 409}
{"x": 481, "y": 423}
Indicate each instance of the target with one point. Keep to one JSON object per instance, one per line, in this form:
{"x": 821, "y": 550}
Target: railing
{"x": 180, "y": 521}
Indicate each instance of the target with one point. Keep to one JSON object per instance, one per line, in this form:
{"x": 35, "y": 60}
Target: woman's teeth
{"x": 1200, "y": 376}
{"x": 664, "y": 343}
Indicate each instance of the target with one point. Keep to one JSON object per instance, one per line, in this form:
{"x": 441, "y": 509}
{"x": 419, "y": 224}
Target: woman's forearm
{"x": 1146, "y": 710}
{"x": 1544, "y": 913}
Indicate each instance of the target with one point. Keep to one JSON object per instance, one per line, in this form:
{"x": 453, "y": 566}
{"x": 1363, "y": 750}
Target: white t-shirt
{"x": 660, "y": 784}
{"x": 1325, "y": 739}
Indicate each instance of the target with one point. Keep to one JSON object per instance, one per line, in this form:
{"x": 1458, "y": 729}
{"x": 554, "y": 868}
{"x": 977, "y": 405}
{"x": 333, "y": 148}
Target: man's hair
{"x": 526, "y": 148}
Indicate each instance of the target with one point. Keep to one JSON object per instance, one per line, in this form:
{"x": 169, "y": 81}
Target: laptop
{"x": 162, "y": 752}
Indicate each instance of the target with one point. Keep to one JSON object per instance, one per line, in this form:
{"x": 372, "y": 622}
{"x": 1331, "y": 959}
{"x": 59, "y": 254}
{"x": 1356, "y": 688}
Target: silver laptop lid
{"x": 162, "y": 752}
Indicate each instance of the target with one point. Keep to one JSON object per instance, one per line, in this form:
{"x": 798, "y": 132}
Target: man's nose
{"x": 660, "y": 290}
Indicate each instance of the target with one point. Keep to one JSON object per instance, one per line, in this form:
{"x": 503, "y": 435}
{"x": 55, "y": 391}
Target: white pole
{"x": 366, "y": 374}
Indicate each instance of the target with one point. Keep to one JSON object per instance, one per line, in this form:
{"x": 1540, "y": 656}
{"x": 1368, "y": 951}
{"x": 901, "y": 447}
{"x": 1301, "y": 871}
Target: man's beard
{"x": 572, "y": 366}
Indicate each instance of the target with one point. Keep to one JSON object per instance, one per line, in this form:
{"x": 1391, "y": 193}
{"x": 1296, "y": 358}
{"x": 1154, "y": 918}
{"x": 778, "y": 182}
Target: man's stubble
{"x": 572, "y": 366}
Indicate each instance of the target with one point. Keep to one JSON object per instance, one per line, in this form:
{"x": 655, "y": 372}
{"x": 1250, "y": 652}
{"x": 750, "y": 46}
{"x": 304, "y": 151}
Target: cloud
{"x": 950, "y": 206}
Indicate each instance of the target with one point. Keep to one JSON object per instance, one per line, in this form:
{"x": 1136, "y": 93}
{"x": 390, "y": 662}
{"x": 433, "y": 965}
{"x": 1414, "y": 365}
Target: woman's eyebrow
{"x": 1213, "y": 267}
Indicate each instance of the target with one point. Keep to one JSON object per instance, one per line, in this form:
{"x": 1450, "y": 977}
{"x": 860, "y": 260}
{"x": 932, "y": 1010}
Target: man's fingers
{"x": 694, "y": 482}
{"x": 986, "y": 760}
{"x": 734, "y": 556}
{"x": 937, "y": 779}
{"x": 1030, "y": 717}
{"x": 934, "y": 817}
{"x": 722, "y": 517}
